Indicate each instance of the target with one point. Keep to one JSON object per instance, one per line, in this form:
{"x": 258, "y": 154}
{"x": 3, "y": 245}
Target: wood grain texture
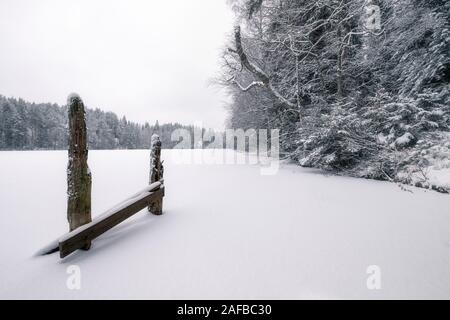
{"x": 78, "y": 238}
{"x": 79, "y": 179}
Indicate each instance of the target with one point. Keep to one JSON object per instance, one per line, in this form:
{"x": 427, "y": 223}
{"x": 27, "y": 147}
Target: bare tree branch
{"x": 264, "y": 79}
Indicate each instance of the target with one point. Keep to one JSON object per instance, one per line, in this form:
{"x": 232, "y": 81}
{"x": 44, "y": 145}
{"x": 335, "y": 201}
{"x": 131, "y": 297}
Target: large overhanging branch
{"x": 264, "y": 79}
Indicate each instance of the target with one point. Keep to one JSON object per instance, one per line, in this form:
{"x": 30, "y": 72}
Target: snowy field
{"x": 227, "y": 232}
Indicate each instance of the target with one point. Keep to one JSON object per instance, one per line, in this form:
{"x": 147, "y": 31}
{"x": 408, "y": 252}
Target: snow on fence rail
{"x": 77, "y": 238}
{"x": 82, "y": 228}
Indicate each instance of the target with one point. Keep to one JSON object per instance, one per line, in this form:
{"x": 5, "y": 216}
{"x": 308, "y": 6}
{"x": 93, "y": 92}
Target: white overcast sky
{"x": 147, "y": 60}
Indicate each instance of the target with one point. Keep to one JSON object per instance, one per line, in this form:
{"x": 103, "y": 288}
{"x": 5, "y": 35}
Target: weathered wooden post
{"x": 156, "y": 172}
{"x": 78, "y": 175}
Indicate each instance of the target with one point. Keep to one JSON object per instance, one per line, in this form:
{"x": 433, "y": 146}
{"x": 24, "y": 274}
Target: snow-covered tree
{"x": 354, "y": 86}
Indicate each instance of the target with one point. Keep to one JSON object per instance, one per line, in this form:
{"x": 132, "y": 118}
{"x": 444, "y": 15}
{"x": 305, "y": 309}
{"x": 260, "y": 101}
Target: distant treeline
{"x": 31, "y": 126}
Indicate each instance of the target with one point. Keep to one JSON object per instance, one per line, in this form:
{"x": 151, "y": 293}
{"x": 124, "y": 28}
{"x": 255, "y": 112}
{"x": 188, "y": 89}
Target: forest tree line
{"x": 355, "y": 86}
{"x": 32, "y": 126}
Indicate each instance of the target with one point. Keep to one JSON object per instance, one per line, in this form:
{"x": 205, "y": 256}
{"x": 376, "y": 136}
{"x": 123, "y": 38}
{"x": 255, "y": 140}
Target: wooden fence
{"x": 82, "y": 228}
{"x": 77, "y": 238}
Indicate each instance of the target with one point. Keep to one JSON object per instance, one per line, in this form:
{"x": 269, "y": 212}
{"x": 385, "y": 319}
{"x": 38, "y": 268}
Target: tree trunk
{"x": 78, "y": 175}
{"x": 339, "y": 63}
{"x": 156, "y": 172}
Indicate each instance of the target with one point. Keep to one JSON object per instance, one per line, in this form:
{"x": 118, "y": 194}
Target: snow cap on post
{"x": 155, "y": 140}
{"x": 75, "y": 105}
{"x": 73, "y": 96}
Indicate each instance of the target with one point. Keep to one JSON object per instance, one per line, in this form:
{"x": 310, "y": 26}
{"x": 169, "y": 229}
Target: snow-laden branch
{"x": 254, "y": 69}
{"x": 264, "y": 79}
{"x": 251, "y": 85}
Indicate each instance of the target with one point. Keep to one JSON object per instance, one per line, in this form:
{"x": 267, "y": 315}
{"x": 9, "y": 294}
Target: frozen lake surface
{"x": 227, "y": 232}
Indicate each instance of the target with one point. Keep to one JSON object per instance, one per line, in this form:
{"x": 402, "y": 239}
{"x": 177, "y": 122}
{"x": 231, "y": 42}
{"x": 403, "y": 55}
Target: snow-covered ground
{"x": 227, "y": 232}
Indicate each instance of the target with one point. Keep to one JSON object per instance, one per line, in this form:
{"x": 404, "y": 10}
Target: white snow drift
{"x": 227, "y": 232}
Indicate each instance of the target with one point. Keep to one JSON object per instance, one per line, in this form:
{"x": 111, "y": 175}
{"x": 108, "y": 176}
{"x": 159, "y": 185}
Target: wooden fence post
{"x": 156, "y": 172}
{"x": 78, "y": 175}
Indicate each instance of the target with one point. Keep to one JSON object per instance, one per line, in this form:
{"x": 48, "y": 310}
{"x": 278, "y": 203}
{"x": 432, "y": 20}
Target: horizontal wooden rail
{"x": 78, "y": 238}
